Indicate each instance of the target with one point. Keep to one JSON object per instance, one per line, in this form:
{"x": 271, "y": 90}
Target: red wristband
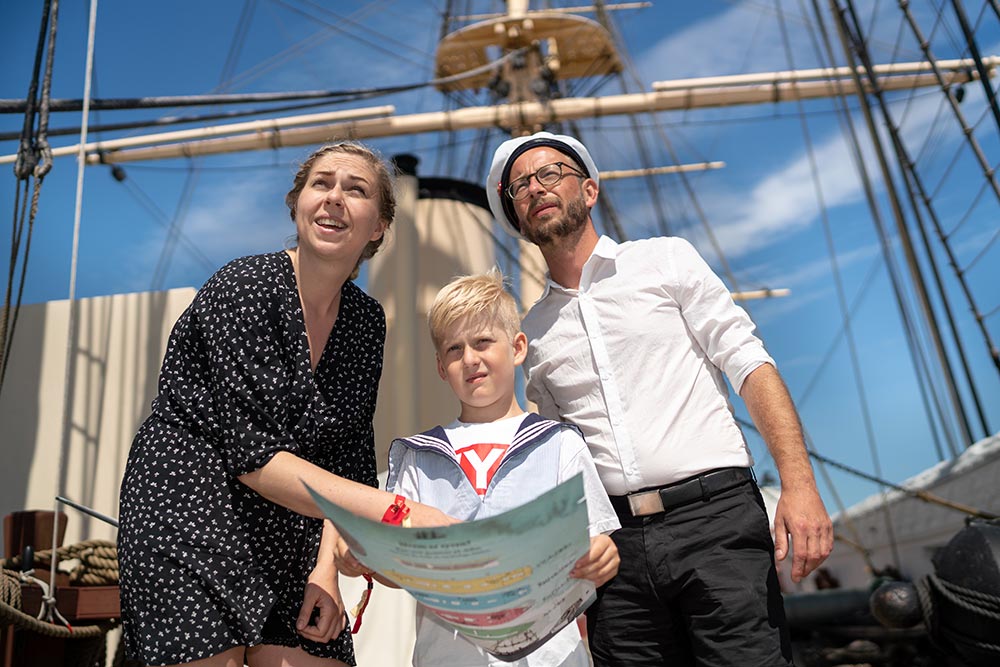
{"x": 397, "y": 515}
{"x": 397, "y": 512}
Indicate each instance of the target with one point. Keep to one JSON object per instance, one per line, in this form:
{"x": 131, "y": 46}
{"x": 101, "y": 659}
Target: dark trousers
{"x": 696, "y": 586}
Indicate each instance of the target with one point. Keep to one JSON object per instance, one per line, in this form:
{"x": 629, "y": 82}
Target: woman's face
{"x": 337, "y": 212}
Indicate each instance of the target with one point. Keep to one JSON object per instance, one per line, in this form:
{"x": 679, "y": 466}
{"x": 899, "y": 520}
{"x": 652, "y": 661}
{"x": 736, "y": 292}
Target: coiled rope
{"x": 981, "y": 604}
{"x": 97, "y": 565}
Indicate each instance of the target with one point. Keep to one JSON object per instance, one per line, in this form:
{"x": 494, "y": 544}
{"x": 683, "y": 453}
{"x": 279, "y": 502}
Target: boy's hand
{"x": 345, "y": 561}
{"x": 601, "y": 562}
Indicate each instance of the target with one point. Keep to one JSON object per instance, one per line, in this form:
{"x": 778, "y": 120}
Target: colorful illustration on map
{"x": 469, "y": 602}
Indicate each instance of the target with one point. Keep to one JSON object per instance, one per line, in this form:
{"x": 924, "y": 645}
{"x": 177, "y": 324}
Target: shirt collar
{"x": 606, "y": 248}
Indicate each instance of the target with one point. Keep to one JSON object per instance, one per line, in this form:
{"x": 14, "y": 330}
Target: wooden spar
{"x": 819, "y": 73}
{"x": 760, "y": 293}
{"x": 256, "y": 126}
{"x": 672, "y": 169}
{"x": 583, "y": 9}
{"x": 516, "y": 115}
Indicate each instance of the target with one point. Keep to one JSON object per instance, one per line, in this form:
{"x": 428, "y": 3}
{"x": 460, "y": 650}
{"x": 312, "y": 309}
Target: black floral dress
{"x": 206, "y": 563}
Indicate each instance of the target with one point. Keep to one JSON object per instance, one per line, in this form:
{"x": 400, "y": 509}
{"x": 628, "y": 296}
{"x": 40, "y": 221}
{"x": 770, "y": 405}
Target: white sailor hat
{"x": 496, "y": 183}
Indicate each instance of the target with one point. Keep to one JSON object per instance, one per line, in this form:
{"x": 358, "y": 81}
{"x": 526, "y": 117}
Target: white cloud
{"x": 785, "y": 200}
{"x": 236, "y": 217}
{"x": 240, "y": 217}
{"x": 809, "y": 282}
{"x": 777, "y": 274}
{"x": 743, "y": 38}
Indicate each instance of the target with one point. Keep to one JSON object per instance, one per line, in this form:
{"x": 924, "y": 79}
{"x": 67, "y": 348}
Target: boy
{"x": 494, "y": 457}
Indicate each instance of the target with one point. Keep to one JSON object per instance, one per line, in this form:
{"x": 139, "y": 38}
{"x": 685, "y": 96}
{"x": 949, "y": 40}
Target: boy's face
{"x": 478, "y": 361}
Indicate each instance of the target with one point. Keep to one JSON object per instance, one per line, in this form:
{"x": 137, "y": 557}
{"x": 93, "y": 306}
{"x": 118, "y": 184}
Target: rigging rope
{"x": 175, "y": 229}
{"x": 914, "y": 493}
{"x": 959, "y": 150}
{"x": 734, "y": 284}
{"x": 161, "y": 218}
{"x": 914, "y": 186}
{"x": 236, "y": 46}
{"x": 71, "y": 324}
{"x": 857, "y": 543}
{"x": 34, "y": 161}
{"x": 609, "y": 214}
{"x": 897, "y": 46}
{"x": 977, "y": 58}
{"x": 841, "y": 295}
{"x": 916, "y": 353}
{"x": 351, "y": 33}
{"x": 850, "y": 42}
{"x": 989, "y": 171}
{"x": 972, "y": 263}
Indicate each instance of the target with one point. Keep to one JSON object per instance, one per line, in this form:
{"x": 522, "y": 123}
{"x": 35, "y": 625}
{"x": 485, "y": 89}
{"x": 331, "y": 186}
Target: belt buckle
{"x": 647, "y": 502}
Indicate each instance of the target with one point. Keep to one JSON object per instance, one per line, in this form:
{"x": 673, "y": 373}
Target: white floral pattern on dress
{"x": 206, "y": 563}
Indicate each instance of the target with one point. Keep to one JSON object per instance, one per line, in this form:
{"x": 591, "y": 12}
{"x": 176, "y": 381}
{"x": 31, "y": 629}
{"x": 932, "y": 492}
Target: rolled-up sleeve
{"x": 723, "y": 330}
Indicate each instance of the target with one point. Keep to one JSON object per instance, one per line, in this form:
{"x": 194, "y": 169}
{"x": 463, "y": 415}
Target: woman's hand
{"x": 601, "y": 562}
{"x": 321, "y": 617}
{"x": 345, "y": 561}
{"x": 425, "y": 516}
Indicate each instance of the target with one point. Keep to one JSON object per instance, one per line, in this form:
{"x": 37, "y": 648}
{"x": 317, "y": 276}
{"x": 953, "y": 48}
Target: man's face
{"x": 555, "y": 212}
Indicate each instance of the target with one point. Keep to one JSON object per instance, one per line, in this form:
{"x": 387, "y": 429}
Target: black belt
{"x": 701, "y": 487}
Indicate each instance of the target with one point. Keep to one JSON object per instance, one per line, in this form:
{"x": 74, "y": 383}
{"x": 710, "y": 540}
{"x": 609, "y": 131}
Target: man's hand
{"x": 321, "y": 617}
{"x": 600, "y": 563}
{"x": 802, "y": 516}
{"x": 800, "y": 512}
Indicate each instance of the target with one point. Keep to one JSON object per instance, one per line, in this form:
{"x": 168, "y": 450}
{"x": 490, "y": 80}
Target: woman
{"x": 269, "y": 380}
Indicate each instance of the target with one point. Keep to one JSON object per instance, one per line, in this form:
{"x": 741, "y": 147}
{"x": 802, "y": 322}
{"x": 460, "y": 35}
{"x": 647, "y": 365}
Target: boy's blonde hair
{"x": 480, "y": 299}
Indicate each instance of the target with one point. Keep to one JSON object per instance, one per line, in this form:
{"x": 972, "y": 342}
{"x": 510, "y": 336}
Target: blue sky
{"x": 762, "y": 207}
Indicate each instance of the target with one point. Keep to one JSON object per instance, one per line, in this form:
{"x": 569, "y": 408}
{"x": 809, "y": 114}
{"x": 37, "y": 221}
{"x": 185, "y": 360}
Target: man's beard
{"x": 563, "y": 227}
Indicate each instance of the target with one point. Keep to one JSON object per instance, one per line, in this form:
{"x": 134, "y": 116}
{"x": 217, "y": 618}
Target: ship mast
{"x": 540, "y": 48}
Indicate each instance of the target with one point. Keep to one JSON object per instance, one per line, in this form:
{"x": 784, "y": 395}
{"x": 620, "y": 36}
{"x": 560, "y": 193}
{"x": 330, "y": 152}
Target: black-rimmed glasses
{"x": 547, "y": 176}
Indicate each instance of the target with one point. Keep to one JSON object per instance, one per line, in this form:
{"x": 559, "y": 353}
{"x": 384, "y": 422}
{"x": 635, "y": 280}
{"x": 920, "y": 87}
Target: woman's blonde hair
{"x": 478, "y": 300}
{"x": 383, "y": 187}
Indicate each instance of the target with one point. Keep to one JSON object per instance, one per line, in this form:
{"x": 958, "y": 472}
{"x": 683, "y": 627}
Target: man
{"x": 629, "y": 342}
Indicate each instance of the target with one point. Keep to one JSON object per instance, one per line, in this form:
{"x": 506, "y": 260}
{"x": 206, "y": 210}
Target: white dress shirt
{"x": 633, "y": 358}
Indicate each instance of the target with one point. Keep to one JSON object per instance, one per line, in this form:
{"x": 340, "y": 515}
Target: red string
{"x": 363, "y": 604}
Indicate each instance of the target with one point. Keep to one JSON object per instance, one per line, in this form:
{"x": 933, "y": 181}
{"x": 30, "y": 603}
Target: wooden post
{"x": 21, "y": 529}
